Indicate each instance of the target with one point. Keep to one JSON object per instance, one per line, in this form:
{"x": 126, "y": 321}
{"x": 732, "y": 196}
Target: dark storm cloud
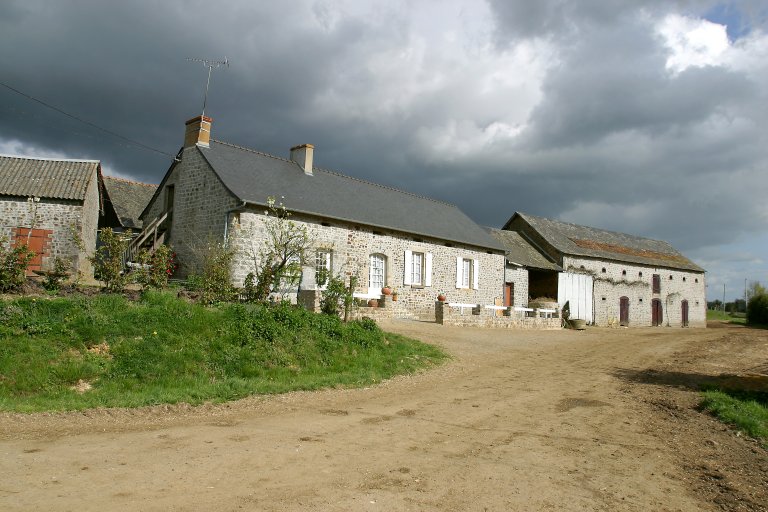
{"x": 556, "y": 107}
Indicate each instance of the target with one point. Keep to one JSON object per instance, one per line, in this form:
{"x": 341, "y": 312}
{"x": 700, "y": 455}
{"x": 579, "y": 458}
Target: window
{"x": 377, "y": 272}
{"x": 418, "y": 268}
{"x": 696, "y": 280}
{"x": 670, "y": 277}
{"x": 639, "y": 274}
{"x": 323, "y": 258}
{"x": 466, "y": 273}
{"x": 623, "y": 272}
{"x": 603, "y": 270}
{"x": 656, "y": 283}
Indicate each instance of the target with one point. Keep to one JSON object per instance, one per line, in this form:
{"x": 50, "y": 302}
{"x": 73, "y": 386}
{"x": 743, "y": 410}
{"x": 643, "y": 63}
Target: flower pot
{"x": 441, "y": 297}
{"x": 394, "y": 297}
{"x": 373, "y": 303}
{"x": 386, "y": 290}
{"x": 578, "y": 324}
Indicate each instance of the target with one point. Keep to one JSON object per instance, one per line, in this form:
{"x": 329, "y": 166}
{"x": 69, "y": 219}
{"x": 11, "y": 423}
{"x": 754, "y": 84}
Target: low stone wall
{"x": 479, "y": 317}
{"x": 386, "y": 309}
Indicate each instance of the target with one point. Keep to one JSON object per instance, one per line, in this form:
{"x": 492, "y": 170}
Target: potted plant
{"x": 373, "y": 303}
{"x": 394, "y": 294}
{"x": 386, "y": 290}
{"x": 441, "y": 297}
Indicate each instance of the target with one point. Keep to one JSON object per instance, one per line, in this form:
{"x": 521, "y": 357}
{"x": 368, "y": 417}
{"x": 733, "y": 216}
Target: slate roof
{"x": 576, "y": 240}
{"x": 520, "y": 252}
{"x": 45, "y": 177}
{"x": 128, "y": 198}
{"x": 253, "y": 176}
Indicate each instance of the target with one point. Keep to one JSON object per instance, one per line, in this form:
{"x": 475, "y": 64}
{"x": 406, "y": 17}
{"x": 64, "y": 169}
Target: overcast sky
{"x": 648, "y": 117}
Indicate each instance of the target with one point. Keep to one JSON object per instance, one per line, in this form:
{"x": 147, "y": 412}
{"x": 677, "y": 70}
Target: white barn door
{"x": 576, "y": 289}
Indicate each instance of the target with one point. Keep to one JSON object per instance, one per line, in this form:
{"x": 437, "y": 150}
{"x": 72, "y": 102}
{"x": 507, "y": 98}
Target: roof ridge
{"x": 126, "y": 180}
{"x": 336, "y": 173}
{"x": 46, "y": 159}
{"x": 598, "y": 229}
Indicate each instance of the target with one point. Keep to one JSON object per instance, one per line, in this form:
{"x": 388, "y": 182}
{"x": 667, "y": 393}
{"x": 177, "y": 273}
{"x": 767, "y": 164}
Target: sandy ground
{"x": 603, "y": 419}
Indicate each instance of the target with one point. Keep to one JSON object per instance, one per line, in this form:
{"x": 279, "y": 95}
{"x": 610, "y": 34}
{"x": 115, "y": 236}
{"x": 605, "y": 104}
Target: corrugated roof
{"x": 45, "y": 177}
{"x": 129, "y": 198}
{"x": 577, "y": 240}
{"x": 520, "y": 252}
{"x": 253, "y": 176}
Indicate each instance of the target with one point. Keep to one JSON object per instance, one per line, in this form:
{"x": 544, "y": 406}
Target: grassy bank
{"x": 106, "y": 351}
{"x": 724, "y": 316}
{"x": 746, "y": 410}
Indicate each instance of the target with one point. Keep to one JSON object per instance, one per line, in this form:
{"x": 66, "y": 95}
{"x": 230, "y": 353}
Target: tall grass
{"x": 164, "y": 350}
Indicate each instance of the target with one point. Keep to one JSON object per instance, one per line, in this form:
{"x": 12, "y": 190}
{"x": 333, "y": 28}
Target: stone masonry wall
{"x": 635, "y": 282}
{"x": 200, "y": 206}
{"x": 58, "y": 216}
{"x": 351, "y": 247}
{"x": 518, "y": 276}
{"x": 450, "y": 316}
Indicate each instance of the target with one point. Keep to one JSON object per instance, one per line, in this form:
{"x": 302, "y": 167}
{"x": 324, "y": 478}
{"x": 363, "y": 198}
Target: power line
{"x": 85, "y": 121}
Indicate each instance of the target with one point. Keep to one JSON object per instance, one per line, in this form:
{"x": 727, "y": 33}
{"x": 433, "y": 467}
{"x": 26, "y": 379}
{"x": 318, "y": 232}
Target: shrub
{"x": 155, "y": 268}
{"x": 108, "y": 259}
{"x": 757, "y": 310}
{"x": 13, "y": 265}
{"x": 336, "y": 296}
{"x": 214, "y": 282}
{"x": 56, "y": 276}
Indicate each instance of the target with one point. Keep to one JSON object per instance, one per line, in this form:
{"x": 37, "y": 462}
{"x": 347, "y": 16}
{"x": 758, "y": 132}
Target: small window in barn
{"x": 326, "y": 224}
{"x": 656, "y": 283}
{"x": 670, "y": 277}
{"x": 604, "y": 298}
{"x": 696, "y": 280}
{"x": 623, "y": 272}
{"x": 639, "y": 274}
{"x": 683, "y": 278}
{"x": 640, "y": 299}
{"x": 376, "y": 232}
{"x": 603, "y": 270}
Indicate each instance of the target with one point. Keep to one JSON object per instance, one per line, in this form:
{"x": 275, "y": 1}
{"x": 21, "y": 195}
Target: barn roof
{"x": 520, "y": 252}
{"x": 128, "y": 198}
{"x": 577, "y": 240}
{"x": 46, "y": 177}
{"x": 252, "y": 176}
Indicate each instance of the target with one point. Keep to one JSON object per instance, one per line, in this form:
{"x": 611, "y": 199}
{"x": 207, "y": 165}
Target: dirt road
{"x": 598, "y": 420}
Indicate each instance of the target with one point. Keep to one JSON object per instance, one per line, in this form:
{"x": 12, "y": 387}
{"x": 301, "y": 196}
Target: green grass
{"x": 724, "y": 316}
{"x": 163, "y": 350}
{"x": 746, "y": 410}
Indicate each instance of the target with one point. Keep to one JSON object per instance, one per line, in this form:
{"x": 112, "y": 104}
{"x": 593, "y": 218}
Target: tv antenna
{"x": 210, "y": 64}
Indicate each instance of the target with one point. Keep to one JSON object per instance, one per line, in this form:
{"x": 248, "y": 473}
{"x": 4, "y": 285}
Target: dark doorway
{"x": 684, "y": 312}
{"x": 657, "y": 316}
{"x": 509, "y": 294}
{"x": 624, "y": 311}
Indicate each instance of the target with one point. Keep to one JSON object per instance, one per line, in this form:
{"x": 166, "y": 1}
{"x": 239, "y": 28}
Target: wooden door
{"x": 657, "y": 316}
{"x": 684, "y": 312}
{"x": 38, "y": 241}
{"x": 624, "y": 311}
{"x": 509, "y": 294}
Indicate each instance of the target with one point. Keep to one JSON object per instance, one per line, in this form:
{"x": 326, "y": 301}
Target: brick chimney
{"x": 303, "y": 155}
{"x": 198, "y": 132}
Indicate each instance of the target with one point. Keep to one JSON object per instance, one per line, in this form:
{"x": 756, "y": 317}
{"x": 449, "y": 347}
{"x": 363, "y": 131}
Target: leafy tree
{"x": 279, "y": 258}
{"x": 108, "y": 259}
{"x": 13, "y": 264}
{"x": 336, "y": 297}
{"x": 214, "y": 281}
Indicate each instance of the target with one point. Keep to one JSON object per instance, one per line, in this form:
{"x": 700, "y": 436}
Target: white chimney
{"x": 303, "y": 155}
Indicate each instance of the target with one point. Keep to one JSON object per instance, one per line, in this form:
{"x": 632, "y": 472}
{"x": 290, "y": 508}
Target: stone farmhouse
{"x": 43, "y": 202}
{"x": 611, "y": 278}
{"x": 386, "y": 237}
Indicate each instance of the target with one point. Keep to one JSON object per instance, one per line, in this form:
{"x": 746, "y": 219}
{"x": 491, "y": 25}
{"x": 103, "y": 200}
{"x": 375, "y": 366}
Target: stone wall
{"x": 351, "y": 246}
{"x": 612, "y": 280}
{"x": 518, "y": 276}
{"x": 480, "y": 317}
{"x": 60, "y": 217}
{"x": 200, "y": 207}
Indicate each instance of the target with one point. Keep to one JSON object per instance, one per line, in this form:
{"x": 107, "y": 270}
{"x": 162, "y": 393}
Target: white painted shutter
{"x": 459, "y": 271}
{"x": 408, "y": 265}
{"x": 428, "y": 270}
{"x": 475, "y": 273}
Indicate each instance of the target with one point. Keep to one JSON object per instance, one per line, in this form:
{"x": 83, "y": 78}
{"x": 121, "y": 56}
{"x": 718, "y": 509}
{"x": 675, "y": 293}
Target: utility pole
{"x": 723, "y": 296}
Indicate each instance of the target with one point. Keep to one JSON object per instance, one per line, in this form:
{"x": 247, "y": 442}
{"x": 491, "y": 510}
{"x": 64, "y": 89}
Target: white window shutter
{"x": 428, "y": 269}
{"x": 459, "y": 270}
{"x": 408, "y": 265}
{"x": 475, "y": 273}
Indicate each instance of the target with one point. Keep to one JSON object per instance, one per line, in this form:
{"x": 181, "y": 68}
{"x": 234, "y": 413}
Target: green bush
{"x": 757, "y": 310}
{"x": 108, "y": 259}
{"x": 13, "y": 265}
{"x": 336, "y": 296}
{"x": 156, "y": 268}
{"x": 56, "y": 276}
{"x": 214, "y": 282}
